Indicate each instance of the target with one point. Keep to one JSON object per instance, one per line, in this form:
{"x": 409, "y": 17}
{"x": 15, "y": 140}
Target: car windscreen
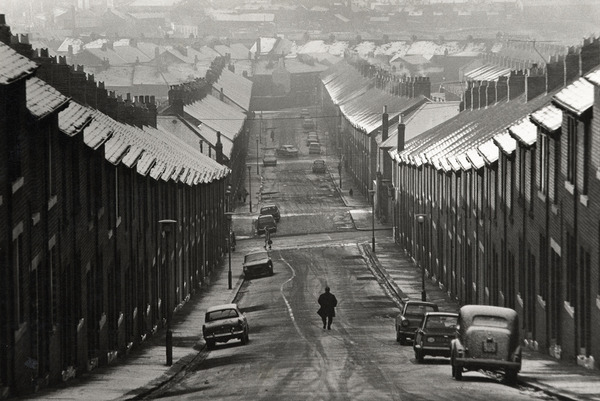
{"x": 418, "y": 310}
{"x": 255, "y": 257}
{"x": 490, "y": 321}
{"x": 266, "y": 210}
{"x": 221, "y": 314}
{"x": 441, "y": 322}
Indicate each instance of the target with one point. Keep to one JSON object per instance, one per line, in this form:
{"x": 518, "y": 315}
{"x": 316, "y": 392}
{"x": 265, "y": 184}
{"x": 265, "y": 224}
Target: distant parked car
{"x": 257, "y": 263}
{"x": 271, "y": 209}
{"x": 314, "y": 148}
{"x": 487, "y": 337}
{"x": 223, "y": 323}
{"x": 304, "y": 113}
{"x": 287, "y": 151}
{"x": 319, "y": 166}
{"x": 269, "y": 159}
{"x": 266, "y": 223}
{"x": 312, "y": 137}
{"x": 434, "y": 335}
{"x": 308, "y": 124}
{"x": 408, "y": 321}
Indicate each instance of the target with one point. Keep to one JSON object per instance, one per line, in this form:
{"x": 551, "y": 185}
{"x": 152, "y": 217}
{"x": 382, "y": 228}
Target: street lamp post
{"x": 166, "y": 229}
{"x": 372, "y": 192}
{"x": 257, "y": 172}
{"x": 250, "y": 187}
{"x": 229, "y": 219}
{"x": 421, "y": 220}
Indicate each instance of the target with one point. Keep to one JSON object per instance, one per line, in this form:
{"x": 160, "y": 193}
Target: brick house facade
{"x": 84, "y": 277}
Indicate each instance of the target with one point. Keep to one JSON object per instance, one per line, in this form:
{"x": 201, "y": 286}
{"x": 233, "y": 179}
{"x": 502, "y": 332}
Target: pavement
{"x": 144, "y": 369}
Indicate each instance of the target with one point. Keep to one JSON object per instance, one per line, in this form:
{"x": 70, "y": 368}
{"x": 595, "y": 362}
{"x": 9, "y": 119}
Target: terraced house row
{"x": 85, "y": 265}
{"x": 501, "y": 203}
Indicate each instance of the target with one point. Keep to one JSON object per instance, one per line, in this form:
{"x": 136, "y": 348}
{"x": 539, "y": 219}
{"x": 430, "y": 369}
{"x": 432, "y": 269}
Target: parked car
{"x": 269, "y": 159}
{"x": 223, "y": 323}
{"x": 312, "y": 137}
{"x": 304, "y": 113}
{"x": 308, "y": 123}
{"x": 434, "y": 335}
{"x": 319, "y": 166}
{"x": 257, "y": 263}
{"x": 271, "y": 209}
{"x": 287, "y": 151}
{"x": 314, "y": 148}
{"x": 408, "y": 321}
{"x": 487, "y": 337}
{"x": 266, "y": 223}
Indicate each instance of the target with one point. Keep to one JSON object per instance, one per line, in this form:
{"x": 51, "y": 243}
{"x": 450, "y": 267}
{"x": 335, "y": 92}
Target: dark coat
{"x": 328, "y": 303}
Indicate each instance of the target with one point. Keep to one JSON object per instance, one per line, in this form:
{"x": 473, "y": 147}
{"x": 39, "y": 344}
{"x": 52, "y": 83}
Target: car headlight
{"x": 404, "y": 323}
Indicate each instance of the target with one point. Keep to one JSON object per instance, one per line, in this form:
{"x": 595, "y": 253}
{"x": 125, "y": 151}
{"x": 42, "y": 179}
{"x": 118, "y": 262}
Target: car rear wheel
{"x": 245, "y": 338}
{"x": 210, "y": 344}
{"x": 418, "y": 355}
{"x": 510, "y": 376}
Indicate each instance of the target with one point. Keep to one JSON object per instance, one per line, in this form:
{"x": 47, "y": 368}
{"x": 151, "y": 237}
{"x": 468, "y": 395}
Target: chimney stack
{"x": 401, "y": 133}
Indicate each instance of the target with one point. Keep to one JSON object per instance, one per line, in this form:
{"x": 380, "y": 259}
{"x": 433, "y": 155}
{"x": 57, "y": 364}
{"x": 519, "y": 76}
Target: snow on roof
{"x": 506, "y": 143}
{"x": 524, "y": 131}
{"x": 489, "y": 151}
{"x": 14, "y": 66}
{"x": 594, "y": 77}
{"x": 576, "y": 97}
{"x": 43, "y": 99}
{"x": 548, "y": 117}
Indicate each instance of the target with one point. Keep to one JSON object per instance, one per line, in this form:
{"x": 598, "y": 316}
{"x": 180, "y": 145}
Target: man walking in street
{"x": 328, "y": 302}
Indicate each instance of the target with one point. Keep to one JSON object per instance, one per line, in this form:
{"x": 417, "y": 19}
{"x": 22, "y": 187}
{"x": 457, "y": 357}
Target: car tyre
{"x": 210, "y": 344}
{"x": 419, "y": 354}
{"x": 510, "y": 376}
{"x": 245, "y": 338}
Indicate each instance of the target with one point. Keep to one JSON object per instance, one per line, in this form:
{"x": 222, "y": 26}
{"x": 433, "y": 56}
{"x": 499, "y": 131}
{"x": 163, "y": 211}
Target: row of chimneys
{"x": 72, "y": 81}
{"x": 534, "y": 81}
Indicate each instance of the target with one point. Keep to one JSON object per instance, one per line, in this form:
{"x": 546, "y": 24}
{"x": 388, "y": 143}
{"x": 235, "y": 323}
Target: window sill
{"x": 554, "y": 209}
{"x": 570, "y": 310}
{"x": 570, "y": 187}
{"x": 20, "y": 331}
{"x": 52, "y": 201}
{"x": 541, "y": 196}
{"x": 584, "y": 200}
{"x": 17, "y": 184}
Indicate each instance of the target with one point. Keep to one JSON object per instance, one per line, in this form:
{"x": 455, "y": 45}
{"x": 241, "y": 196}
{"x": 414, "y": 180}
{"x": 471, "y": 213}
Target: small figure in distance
{"x": 351, "y": 192}
{"x": 328, "y": 302}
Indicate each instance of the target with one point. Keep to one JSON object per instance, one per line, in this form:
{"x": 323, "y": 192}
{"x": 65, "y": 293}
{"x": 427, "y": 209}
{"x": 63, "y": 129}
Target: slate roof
{"x": 473, "y": 130}
{"x": 364, "y": 111}
{"x": 343, "y": 82}
{"x": 43, "y": 99}
{"x": 487, "y": 72}
{"x": 218, "y": 116}
{"x": 235, "y": 87}
{"x": 14, "y": 66}
{"x": 237, "y": 51}
{"x": 153, "y": 152}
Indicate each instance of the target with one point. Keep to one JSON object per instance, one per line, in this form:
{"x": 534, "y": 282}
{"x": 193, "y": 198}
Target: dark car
{"x": 487, "y": 337}
{"x": 308, "y": 123}
{"x": 265, "y": 223}
{"x": 223, "y": 323}
{"x": 257, "y": 263}
{"x": 314, "y": 148}
{"x": 434, "y": 335}
{"x": 408, "y": 321}
{"x": 319, "y": 166}
{"x": 271, "y": 209}
{"x": 269, "y": 159}
{"x": 287, "y": 151}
